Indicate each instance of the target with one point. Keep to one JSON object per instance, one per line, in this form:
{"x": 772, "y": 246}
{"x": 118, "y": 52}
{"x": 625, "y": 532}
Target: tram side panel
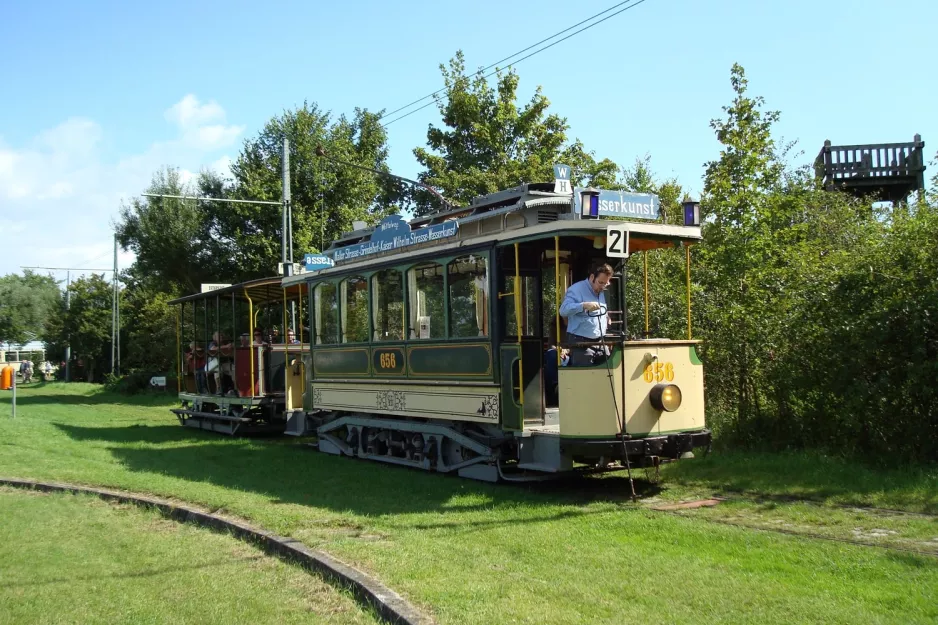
{"x": 381, "y": 380}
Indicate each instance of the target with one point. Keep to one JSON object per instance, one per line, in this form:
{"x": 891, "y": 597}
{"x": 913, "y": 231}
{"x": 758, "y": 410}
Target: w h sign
{"x": 562, "y": 179}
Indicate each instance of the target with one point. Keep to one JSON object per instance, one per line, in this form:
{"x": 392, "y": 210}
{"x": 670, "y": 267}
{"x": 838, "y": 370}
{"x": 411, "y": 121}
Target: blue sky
{"x": 97, "y": 95}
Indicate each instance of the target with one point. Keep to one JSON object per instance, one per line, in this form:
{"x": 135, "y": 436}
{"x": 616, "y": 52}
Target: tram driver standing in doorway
{"x": 584, "y": 308}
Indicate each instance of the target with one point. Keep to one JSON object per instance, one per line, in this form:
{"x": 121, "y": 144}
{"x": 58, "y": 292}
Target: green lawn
{"x": 77, "y": 559}
{"x": 468, "y": 552}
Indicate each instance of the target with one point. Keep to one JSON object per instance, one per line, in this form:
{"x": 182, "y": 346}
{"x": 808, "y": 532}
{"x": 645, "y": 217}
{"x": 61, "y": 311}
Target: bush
{"x": 137, "y": 382}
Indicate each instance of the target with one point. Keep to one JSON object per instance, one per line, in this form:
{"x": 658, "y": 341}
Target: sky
{"x": 96, "y": 96}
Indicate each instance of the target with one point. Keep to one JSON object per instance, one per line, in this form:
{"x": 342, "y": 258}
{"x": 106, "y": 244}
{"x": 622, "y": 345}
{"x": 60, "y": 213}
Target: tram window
{"x": 327, "y": 314}
{"x": 529, "y": 298}
{"x": 425, "y": 293}
{"x": 468, "y": 297}
{"x": 387, "y": 287}
{"x": 354, "y": 310}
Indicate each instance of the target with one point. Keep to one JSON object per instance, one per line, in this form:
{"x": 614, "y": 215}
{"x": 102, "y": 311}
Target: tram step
{"x": 209, "y": 415}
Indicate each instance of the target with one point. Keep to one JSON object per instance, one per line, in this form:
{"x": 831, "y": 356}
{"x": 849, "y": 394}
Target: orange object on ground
{"x": 6, "y": 378}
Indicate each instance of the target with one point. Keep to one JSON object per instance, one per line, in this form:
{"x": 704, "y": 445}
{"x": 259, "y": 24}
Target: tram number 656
{"x": 658, "y": 372}
{"x": 388, "y": 360}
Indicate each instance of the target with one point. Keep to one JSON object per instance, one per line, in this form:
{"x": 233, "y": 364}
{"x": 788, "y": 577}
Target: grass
{"x": 77, "y": 559}
{"x": 900, "y": 531}
{"x": 810, "y": 476}
{"x": 568, "y": 552}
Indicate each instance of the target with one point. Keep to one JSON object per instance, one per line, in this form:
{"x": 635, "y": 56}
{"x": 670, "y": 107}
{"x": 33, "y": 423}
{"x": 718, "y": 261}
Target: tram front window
{"x": 528, "y": 295}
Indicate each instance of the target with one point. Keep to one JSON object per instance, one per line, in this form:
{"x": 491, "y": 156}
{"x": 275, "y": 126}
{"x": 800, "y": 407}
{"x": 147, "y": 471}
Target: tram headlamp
{"x": 691, "y": 213}
{"x": 665, "y": 397}
{"x": 589, "y": 203}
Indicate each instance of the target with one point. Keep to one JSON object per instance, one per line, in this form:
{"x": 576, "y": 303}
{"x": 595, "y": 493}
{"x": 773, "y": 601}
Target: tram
{"x": 439, "y": 344}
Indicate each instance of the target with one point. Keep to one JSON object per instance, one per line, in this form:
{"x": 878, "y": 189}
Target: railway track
{"x": 687, "y": 508}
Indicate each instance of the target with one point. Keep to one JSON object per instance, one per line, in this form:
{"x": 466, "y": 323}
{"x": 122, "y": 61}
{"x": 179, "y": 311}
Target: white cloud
{"x": 202, "y": 125}
{"x": 213, "y": 137}
{"x": 60, "y": 196}
{"x": 222, "y": 166}
{"x": 189, "y": 112}
{"x": 52, "y": 163}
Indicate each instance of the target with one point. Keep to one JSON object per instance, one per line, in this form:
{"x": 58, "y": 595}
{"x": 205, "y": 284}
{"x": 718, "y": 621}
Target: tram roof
{"x": 261, "y": 290}
{"x": 527, "y": 205}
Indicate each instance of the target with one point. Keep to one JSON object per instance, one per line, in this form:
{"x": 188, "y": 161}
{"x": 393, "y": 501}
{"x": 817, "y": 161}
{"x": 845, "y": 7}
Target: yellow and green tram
{"x": 438, "y": 343}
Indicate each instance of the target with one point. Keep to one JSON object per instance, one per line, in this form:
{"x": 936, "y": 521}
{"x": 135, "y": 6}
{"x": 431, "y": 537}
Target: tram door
{"x": 519, "y": 302}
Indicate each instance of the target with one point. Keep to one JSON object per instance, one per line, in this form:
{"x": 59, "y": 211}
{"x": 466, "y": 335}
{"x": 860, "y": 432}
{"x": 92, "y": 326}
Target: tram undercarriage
{"x": 231, "y": 415}
{"x": 481, "y": 452}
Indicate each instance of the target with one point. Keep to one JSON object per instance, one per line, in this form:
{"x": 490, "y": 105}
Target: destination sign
{"x": 312, "y": 262}
{"x": 391, "y": 234}
{"x": 622, "y": 204}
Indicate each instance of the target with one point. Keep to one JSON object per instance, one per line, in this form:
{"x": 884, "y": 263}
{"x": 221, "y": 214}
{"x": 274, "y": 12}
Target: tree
{"x": 86, "y": 326}
{"x": 25, "y": 303}
{"x": 815, "y": 307}
{"x": 183, "y": 243}
{"x": 666, "y": 268}
{"x": 736, "y": 259}
{"x": 488, "y": 143}
{"x": 326, "y": 197}
{"x": 148, "y": 327}
{"x": 171, "y": 238}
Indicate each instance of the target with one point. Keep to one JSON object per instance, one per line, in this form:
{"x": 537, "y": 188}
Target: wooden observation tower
{"x": 887, "y": 171}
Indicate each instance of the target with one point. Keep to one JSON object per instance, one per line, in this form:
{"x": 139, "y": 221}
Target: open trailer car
{"x": 238, "y": 354}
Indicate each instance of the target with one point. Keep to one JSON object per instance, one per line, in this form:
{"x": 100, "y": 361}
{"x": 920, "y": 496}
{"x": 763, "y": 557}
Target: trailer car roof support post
{"x": 251, "y": 330}
{"x": 687, "y": 248}
{"x": 234, "y": 344}
{"x": 178, "y": 359}
{"x": 286, "y": 347}
{"x": 645, "y": 259}
{"x": 557, "y": 296}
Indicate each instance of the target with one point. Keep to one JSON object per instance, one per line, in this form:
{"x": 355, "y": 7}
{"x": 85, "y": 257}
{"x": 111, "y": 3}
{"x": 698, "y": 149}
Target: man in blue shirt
{"x": 584, "y": 307}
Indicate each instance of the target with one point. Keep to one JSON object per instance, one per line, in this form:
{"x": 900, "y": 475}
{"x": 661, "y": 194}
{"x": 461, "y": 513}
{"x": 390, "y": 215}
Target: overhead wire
{"x": 513, "y": 63}
{"x": 485, "y": 69}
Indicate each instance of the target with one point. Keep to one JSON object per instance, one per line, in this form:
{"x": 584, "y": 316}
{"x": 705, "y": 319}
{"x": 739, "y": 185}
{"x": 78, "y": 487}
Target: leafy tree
{"x": 488, "y": 143}
{"x": 666, "y": 267}
{"x": 816, "y": 308}
{"x": 180, "y": 244}
{"x": 170, "y": 237}
{"x": 86, "y": 325}
{"x": 26, "y": 302}
{"x": 326, "y": 197}
{"x": 148, "y": 328}
{"x": 736, "y": 259}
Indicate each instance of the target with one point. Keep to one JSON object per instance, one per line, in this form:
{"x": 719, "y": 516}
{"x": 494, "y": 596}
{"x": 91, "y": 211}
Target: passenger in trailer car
{"x": 584, "y": 308}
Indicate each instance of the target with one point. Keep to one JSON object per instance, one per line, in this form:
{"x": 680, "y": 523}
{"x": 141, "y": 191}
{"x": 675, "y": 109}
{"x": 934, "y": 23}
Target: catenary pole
{"x": 68, "y": 338}
{"x": 287, "y": 227}
{"x": 114, "y": 309}
{"x": 286, "y": 247}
